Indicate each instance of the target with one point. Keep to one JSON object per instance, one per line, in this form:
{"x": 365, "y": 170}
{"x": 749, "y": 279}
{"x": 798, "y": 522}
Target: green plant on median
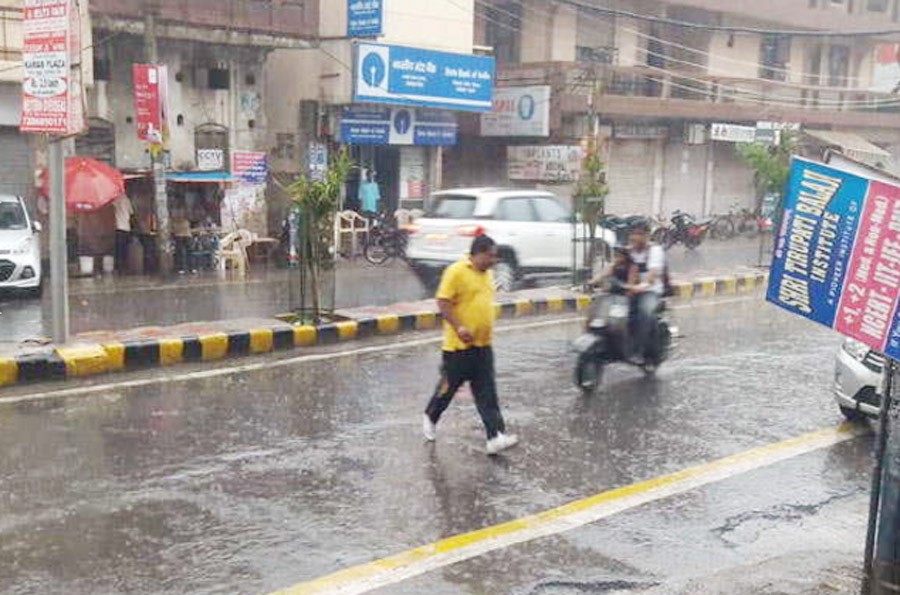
{"x": 590, "y": 195}
{"x": 771, "y": 165}
{"x": 316, "y": 203}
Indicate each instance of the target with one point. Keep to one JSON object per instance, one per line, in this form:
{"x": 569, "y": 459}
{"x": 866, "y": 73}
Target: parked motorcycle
{"x": 385, "y": 242}
{"x": 608, "y": 339}
{"x": 686, "y": 230}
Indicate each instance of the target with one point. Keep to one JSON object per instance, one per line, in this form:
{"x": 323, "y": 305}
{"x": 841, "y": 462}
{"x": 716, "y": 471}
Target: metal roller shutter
{"x": 16, "y": 171}
{"x": 631, "y": 171}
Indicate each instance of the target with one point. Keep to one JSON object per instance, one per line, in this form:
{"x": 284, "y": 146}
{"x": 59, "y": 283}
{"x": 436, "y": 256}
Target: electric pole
{"x": 157, "y": 158}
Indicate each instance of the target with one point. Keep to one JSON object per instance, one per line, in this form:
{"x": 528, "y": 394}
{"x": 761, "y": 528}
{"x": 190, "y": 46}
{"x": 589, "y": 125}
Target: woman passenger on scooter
{"x": 622, "y": 273}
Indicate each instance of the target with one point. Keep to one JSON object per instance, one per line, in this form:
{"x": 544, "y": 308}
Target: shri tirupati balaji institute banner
{"x": 837, "y": 256}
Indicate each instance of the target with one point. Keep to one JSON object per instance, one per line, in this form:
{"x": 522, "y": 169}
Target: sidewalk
{"x": 102, "y": 352}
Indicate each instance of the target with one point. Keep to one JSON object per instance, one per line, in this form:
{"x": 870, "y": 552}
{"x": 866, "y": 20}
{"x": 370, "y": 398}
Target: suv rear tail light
{"x": 411, "y": 228}
{"x": 470, "y": 231}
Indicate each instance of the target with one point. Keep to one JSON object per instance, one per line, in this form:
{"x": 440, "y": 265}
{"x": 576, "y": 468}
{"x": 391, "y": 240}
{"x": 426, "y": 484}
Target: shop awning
{"x": 199, "y": 177}
{"x": 852, "y": 145}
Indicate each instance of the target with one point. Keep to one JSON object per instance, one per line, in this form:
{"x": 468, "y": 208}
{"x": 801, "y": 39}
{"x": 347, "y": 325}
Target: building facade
{"x": 673, "y": 100}
{"x": 214, "y": 52}
{"x": 311, "y": 103}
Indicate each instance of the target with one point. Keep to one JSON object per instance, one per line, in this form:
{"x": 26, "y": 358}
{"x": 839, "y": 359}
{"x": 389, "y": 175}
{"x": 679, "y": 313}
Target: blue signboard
{"x": 398, "y": 126}
{"x": 365, "y": 18}
{"x": 837, "y": 254}
{"x": 410, "y": 76}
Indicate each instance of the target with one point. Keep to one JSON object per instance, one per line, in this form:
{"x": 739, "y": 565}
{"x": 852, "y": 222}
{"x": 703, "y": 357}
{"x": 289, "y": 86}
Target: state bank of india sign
{"x": 52, "y": 92}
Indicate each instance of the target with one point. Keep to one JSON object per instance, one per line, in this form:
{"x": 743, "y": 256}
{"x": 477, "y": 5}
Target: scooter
{"x": 608, "y": 339}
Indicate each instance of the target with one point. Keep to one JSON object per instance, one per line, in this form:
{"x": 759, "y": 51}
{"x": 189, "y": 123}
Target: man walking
{"x": 466, "y": 301}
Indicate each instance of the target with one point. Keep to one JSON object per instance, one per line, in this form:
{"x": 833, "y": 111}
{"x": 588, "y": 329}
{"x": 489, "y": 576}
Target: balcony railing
{"x": 574, "y": 79}
{"x": 291, "y": 18}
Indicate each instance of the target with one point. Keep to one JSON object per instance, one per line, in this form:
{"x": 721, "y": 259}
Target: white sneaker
{"x": 501, "y": 442}
{"x": 429, "y": 428}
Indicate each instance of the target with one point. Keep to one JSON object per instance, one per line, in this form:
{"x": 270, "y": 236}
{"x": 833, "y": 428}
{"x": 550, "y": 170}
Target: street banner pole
{"x": 877, "y": 476}
{"x": 884, "y": 575}
{"x": 59, "y": 279}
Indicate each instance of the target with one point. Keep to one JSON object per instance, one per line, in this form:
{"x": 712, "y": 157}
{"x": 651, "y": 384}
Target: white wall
{"x": 630, "y": 45}
{"x": 738, "y": 61}
{"x": 444, "y": 26}
{"x": 113, "y": 101}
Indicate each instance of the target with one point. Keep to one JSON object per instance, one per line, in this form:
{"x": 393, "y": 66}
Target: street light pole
{"x": 59, "y": 278}
{"x": 160, "y": 193}
{"x": 883, "y": 567}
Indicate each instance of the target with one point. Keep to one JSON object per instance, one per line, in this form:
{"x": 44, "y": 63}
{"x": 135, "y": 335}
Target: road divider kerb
{"x": 80, "y": 361}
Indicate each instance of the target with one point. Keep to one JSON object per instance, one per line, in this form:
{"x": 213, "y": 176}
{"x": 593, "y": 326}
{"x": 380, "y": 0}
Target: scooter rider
{"x": 650, "y": 261}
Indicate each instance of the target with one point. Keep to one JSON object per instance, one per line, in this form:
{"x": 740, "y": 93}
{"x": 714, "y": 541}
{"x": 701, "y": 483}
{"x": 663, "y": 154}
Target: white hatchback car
{"x": 535, "y": 232}
{"x": 20, "y": 248}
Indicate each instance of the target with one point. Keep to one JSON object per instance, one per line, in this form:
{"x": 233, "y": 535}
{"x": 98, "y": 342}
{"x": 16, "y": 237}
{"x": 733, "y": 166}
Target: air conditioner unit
{"x": 695, "y": 134}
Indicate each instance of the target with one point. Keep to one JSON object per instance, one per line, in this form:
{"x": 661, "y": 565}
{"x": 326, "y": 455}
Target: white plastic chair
{"x": 350, "y": 225}
{"x": 233, "y": 251}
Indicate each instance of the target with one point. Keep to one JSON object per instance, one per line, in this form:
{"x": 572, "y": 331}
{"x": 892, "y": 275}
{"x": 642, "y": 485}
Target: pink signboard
{"x": 868, "y": 304}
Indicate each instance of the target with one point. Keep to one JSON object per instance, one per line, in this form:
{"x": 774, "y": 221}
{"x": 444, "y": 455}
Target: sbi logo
{"x": 402, "y": 121}
{"x": 374, "y": 70}
{"x": 527, "y": 107}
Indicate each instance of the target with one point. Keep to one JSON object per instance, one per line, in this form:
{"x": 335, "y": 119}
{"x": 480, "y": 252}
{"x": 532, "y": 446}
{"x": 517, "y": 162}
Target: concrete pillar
{"x": 659, "y": 175}
{"x": 709, "y": 178}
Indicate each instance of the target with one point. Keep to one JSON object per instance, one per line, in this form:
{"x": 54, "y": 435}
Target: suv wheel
{"x": 505, "y": 276}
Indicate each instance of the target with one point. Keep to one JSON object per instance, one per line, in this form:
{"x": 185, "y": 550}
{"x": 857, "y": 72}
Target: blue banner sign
{"x": 365, "y": 18}
{"x": 398, "y": 126}
{"x": 837, "y": 254}
{"x": 410, "y": 76}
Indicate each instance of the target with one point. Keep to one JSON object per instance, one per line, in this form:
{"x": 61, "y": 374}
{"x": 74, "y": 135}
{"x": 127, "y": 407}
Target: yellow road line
{"x": 397, "y": 568}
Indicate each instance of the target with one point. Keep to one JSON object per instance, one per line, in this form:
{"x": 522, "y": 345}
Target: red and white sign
{"x": 250, "y": 167}
{"x": 51, "y": 91}
{"x": 150, "y": 92}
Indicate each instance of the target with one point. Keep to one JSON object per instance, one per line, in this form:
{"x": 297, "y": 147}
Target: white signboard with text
{"x": 545, "y": 163}
{"x": 518, "y": 111}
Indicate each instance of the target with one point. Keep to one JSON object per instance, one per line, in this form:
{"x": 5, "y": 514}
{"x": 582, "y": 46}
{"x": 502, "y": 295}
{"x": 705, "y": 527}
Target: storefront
{"x": 404, "y": 113}
{"x": 397, "y": 148}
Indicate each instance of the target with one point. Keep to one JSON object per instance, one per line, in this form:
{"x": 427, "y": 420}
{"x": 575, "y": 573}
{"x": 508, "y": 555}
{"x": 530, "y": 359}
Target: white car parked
{"x": 533, "y": 229}
{"x": 858, "y": 373}
{"x": 20, "y": 248}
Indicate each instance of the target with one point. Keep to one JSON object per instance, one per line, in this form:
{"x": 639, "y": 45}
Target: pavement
{"x": 727, "y": 473}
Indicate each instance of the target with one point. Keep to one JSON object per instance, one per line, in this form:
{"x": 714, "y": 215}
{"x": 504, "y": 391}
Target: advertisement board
{"x": 425, "y": 78}
{"x": 52, "y": 93}
{"x": 837, "y": 254}
{"x": 518, "y": 111}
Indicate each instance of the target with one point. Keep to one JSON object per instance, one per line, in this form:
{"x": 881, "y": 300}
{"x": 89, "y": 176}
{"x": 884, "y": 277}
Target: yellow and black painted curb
{"x": 93, "y": 359}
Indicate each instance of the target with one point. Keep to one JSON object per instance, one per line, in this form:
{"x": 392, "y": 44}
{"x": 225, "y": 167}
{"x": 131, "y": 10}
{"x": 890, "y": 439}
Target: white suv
{"x": 532, "y": 228}
{"x": 20, "y": 248}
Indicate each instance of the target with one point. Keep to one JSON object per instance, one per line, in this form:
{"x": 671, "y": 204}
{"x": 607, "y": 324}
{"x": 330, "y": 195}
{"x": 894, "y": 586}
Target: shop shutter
{"x": 16, "y": 171}
{"x": 631, "y": 172}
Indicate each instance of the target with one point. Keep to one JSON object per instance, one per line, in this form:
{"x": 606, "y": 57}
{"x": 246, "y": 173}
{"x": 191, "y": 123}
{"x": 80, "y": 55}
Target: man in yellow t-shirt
{"x": 466, "y": 300}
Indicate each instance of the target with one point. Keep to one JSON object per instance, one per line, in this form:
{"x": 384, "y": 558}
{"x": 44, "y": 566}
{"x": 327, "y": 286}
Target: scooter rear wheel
{"x": 589, "y": 376}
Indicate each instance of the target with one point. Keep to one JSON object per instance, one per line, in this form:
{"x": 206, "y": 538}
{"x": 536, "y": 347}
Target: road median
{"x": 93, "y": 354}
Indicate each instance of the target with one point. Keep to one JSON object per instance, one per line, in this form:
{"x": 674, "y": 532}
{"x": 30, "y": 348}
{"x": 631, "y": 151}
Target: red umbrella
{"x": 90, "y": 184}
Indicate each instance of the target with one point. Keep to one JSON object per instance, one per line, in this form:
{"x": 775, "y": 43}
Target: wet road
{"x": 112, "y": 304}
{"x": 250, "y": 482}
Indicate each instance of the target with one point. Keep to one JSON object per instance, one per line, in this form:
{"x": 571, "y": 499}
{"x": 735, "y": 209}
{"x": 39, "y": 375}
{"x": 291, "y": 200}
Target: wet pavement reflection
{"x": 255, "y": 481}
